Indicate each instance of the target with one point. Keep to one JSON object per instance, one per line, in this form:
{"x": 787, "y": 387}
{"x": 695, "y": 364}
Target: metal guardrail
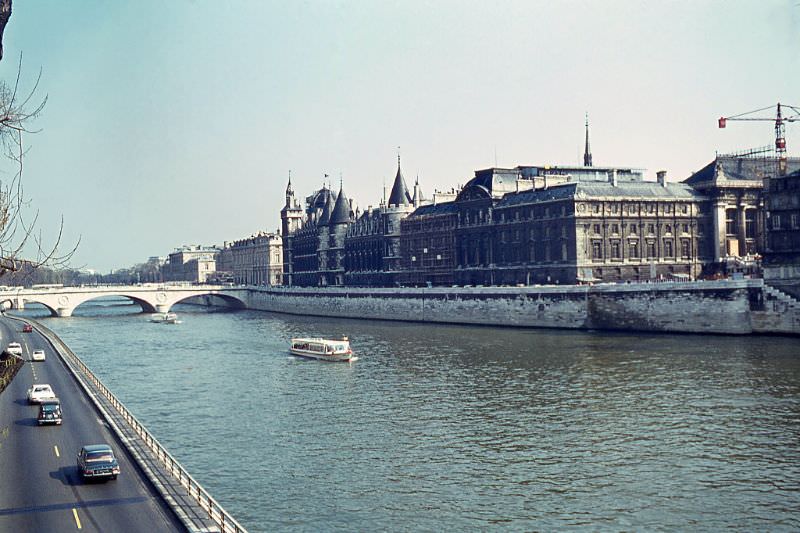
{"x": 215, "y": 511}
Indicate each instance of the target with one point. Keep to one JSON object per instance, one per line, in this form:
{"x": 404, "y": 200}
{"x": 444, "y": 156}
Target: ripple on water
{"x": 443, "y": 427}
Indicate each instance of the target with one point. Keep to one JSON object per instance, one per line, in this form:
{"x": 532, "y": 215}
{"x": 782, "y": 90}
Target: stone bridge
{"x": 62, "y": 301}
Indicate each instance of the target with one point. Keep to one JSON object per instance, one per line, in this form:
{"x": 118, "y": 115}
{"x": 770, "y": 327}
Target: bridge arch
{"x": 151, "y": 298}
{"x": 230, "y": 300}
{"x": 65, "y": 305}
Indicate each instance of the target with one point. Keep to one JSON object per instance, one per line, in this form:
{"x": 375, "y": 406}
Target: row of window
{"x": 778, "y": 220}
{"x": 563, "y": 210}
{"x": 651, "y": 229}
{"x": 651, "y": 252}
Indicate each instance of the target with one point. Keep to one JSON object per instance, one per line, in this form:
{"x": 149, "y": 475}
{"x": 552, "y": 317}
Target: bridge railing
{"x": 215, "y": 511}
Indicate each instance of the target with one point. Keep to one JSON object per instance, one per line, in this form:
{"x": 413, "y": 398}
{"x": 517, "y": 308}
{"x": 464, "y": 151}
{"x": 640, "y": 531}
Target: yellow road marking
{"x": 77, "y": 520}
{"x": 56, "y": 449}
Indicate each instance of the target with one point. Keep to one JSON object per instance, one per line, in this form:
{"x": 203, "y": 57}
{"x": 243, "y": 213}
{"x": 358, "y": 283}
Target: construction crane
{"x": 780, "y": 127}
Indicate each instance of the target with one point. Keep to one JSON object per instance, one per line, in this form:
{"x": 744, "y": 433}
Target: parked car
{"x": 97, "y": 461}
{"x": 27, "y": 328}
{"x": 14, "y": 348}
{"x": 50, "y": 412}
{"x": 40, "y": 392}
{"x": 37, "y": 355}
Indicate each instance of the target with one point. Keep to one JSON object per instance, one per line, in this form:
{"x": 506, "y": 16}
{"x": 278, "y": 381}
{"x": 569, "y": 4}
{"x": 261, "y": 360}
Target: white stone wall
{"x": 728, "y": 307}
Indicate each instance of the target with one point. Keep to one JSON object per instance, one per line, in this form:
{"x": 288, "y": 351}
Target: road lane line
{"x": 56, "y": 449}
{"x": 77, "y": 520}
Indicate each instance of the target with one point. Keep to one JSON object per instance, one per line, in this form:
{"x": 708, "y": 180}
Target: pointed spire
{"x": 290, "y": 201}
{"x": 341, "y": 211}
{"x": 418, "y": 198}
{"x": 399, "y": 194}
{"x": 325, "y": 218}
{"x": 587, "y": 153}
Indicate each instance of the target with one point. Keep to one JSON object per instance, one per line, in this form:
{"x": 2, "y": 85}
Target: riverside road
{"x": 40, "y": 488}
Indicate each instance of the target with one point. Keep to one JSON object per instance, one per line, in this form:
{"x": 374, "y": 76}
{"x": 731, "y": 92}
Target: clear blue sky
{"x": 177, "y": 122}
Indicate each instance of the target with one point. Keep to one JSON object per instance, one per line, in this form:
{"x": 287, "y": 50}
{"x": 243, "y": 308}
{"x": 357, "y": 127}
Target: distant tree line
{"x": 34, "y": 275}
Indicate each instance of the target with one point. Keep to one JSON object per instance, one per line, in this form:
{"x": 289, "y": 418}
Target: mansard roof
{"x": 645, "y": 190}
{"x": 493, "y": 182}
{"x": 443, "y": 208}
{"x": 399, "y": 195}
{"x": 341, "y": 211}
{"x": 737, "y": 170}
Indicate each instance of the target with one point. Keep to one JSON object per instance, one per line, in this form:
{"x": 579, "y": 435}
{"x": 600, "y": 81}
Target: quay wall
{"x": 724, "y": 307}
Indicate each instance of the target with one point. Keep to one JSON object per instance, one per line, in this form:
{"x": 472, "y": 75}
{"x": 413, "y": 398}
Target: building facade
{"x": 579, "y": 230}
{"x": 314, "y": 242}
{"x": 193, "y": 263}
{"x": 548, "y": 224}
{"x": 735, "y": 187}
{"x": 373, "y": 242}
{"x": 256, "y": 260}
{"x": 427, "y": 245}
{"x": 782, "y": 254}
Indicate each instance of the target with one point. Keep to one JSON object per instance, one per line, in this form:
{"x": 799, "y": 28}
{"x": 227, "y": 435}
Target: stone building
{"x": 301, "y": 236}
{"x": 372, "y": 246}
{"x": 256, "y": 260}
{"x": 314, "y": 243}
{"x": 537, "y": 224}
{"x": 782, "y": 253}
{"x": 194, "y": 263}
{"x": 734, "y": 185}
{"x": 580, "y": 229}
{"x": 291, "y": 221}
{"x": 427, "y": 245}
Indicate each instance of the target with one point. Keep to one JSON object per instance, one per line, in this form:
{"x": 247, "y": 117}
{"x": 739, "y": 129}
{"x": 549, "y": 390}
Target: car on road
{"x": 97, "y": 461}
{"x": 37, "y": 355}
{"x": 14, "y": 348}
{"x": 27, "y": 328}
{"x": 40, "y": 392}
{"x": 49, "y": 412}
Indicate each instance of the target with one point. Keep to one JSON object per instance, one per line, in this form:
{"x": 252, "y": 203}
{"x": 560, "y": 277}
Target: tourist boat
{"x": 323, "y": 349}
{"x": 165, "y": 318}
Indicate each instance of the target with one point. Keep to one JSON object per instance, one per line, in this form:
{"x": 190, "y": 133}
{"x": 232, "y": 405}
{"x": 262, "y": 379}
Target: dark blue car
{"x": 97, "y": 461}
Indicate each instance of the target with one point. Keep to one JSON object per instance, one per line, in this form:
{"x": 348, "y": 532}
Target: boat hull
{"x": 334, "y": 358}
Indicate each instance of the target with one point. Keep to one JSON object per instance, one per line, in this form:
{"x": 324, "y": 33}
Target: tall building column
{"x": 741, "y": 231}
{"x": 761, "y": 230}
{"x": 719, "y": 231}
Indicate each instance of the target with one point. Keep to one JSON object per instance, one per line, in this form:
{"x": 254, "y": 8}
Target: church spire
{"x": 587, "y": 153}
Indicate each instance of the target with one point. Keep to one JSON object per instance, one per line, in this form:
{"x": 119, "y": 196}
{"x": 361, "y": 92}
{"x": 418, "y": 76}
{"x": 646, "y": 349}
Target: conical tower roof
{"x": 399, "y": 195}
{"x": 326, "y": 211}
{"x": 341, "y": 211}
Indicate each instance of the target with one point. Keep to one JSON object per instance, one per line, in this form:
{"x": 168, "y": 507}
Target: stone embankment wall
{"x": 729, "y": 307}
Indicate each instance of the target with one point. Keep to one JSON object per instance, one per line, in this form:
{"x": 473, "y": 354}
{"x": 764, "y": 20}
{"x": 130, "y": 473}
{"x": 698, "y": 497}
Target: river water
{"x": 441, "y": 427}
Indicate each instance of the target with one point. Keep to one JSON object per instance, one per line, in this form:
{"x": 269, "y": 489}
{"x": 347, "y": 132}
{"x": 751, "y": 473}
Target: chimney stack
{"x": 612, "y": 177}
{"x": 661, "y": 176}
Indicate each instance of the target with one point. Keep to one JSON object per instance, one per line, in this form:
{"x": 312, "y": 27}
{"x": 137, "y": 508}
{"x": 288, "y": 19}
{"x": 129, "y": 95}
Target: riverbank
{"x": 738, "y": 307}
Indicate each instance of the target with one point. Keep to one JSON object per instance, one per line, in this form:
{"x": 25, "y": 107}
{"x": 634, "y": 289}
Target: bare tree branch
{"x": 21, "y": 248}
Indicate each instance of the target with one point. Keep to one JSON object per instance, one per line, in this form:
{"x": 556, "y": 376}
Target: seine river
{"x": 440, "y": 428}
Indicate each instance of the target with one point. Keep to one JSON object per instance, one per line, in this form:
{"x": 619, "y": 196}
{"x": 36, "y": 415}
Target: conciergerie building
{"x": 539, "y": 224}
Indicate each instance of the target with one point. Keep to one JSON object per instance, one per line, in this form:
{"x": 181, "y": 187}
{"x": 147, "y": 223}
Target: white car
{"x": 40, "y": 392}
{"x": 37, "y": 355}
{"x": 14, "y": 348}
